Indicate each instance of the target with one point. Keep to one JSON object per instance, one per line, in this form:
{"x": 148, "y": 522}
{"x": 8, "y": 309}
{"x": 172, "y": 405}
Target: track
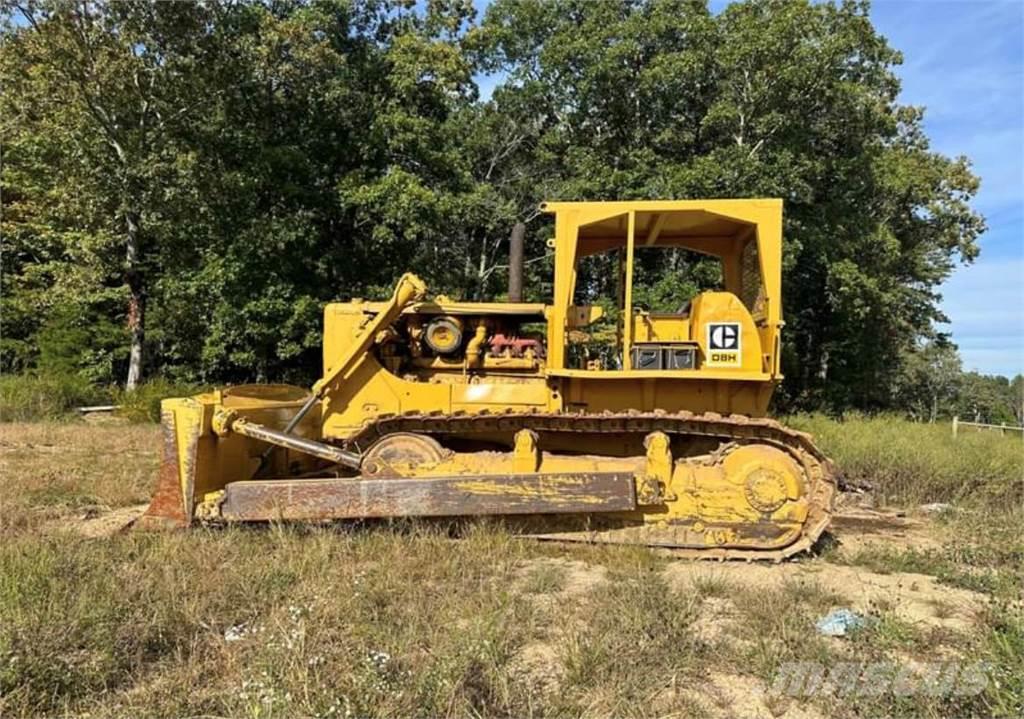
{"x": 819, "y": 471}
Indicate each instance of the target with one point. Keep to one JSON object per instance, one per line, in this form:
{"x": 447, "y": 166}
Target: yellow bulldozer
{"x": 434, "y": 408}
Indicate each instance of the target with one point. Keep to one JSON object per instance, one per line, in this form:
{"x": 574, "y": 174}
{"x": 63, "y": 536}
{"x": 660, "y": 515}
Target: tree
{"x": 990, "y": 399}
{"x": 94, "y": 95}
{"x": 929, "y": 381}
{"x": 190, "y": 183}
{"x": 234, "y": 166}
{"x": 783, "y": 98}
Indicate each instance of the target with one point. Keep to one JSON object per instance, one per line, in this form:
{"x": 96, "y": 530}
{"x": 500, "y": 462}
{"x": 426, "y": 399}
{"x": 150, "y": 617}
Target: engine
{"x": 449, "y": 347}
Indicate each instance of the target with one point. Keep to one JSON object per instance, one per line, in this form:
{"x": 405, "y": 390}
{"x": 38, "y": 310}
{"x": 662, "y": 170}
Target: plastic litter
{"x": 236, "y": 633}
{"x": 840, "y": 622}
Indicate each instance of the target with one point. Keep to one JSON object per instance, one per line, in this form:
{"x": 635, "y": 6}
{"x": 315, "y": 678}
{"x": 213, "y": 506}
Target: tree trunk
{"x": 481, "y": 272}
{"x": 136, "y": 302}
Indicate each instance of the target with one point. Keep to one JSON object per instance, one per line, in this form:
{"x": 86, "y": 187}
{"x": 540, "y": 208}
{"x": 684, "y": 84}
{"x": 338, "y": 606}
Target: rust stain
{"x": 167, "y": 508}
{"x": 435, "y": 497}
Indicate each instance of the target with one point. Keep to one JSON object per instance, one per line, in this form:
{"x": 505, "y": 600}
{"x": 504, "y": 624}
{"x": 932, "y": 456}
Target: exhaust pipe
{"x": 516, "y": 247}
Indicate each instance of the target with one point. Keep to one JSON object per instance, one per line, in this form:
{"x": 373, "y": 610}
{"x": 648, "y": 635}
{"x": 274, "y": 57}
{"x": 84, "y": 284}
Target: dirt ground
{"x": 919, "y": 600}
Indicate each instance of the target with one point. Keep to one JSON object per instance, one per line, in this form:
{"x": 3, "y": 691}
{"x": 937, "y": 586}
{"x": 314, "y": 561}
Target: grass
{"x": 119, "y": 627}
{"x": 546, "y": 578}
{"x": 403, "y": 620}
{"x": 637, "y": 621}
{"x": 911, "y": 463}
{"x": 51, "y": 468}
{"x": 30, "y": 398}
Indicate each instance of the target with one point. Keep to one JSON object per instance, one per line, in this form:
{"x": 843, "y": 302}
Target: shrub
{"x": 36, "y": 397}
{"x": 143, "y": 403}
{"x": 30, "y": 397}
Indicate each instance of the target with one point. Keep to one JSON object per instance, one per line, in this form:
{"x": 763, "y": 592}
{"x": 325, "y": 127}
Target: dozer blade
{"x": 357, "y": 498}
{"x": 170, "y": 507}
{"x": 196, "y": 462}
{"x": 764, "y": 492}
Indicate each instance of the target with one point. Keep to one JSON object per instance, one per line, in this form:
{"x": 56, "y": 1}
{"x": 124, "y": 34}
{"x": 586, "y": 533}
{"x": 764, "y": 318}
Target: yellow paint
{"x": 525, "y": 453}
{"x": 550, "y": 487}
{"x": 368, "y": 372}
{"x": 659, "y": 457}
{"x": 627, "y": 312}
{"x": 725, "y": 381}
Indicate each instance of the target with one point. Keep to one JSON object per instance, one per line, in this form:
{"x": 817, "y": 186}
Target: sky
{"x": 964, "y": 62}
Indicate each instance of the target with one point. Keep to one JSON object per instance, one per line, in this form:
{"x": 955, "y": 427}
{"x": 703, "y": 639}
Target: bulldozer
{"x": 429, "y": 407}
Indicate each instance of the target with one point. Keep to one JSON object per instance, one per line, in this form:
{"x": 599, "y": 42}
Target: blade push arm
{"x": 409, "y": 289}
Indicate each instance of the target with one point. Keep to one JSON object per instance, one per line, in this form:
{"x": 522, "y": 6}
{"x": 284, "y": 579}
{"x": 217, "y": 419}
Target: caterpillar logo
{"x": 723, "y": 345}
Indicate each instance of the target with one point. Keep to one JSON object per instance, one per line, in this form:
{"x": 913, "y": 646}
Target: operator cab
{"x": 601, "y": 251}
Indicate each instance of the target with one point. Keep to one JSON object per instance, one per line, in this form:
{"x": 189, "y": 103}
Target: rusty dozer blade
{"x": 196, "y": 461}
{"x": 213, "y": 471}
{"x": 168, "y": 508}
{"x": 360, "y": 498}
{"x": 209, "y": 439}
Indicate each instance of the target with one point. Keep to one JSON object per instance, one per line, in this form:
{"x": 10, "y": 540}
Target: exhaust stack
{"x": 516, "y": 243}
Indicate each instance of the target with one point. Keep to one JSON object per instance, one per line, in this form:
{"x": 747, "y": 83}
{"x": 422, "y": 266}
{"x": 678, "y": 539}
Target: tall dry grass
{"x": 49, "y": 468}
{"x": 33, "y": 398}
{"x": 910, "y": 462}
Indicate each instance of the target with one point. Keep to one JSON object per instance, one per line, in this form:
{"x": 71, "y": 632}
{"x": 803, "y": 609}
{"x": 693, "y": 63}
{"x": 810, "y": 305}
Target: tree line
{"x": 186, "y": 184}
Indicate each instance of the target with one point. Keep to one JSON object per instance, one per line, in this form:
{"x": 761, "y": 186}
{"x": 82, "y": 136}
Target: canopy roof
{"x": 683, "y": 224}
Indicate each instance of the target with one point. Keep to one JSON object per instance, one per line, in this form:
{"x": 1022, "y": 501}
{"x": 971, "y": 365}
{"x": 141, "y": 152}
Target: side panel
{"x": 370, "y": 391}
{"x": 723, "y": 311}
{"x": 672, "y": 394}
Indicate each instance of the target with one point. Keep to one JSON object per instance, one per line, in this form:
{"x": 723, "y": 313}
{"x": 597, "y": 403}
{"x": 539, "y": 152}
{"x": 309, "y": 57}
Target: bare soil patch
{"x": 97, "y": 522}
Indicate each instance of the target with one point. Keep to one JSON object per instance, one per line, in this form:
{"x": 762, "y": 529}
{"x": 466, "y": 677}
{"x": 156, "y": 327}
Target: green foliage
{"x": 1003, "y": 646}
{"x": 992, "y": 400}
{"x": 787, "y": 99}
{"x": 638, "y": 621}
{"x": 35, "y": 397}
{"x": 209, "y": 175}
{"x": 929, "y": 381}
{"x": 142, "y": 404}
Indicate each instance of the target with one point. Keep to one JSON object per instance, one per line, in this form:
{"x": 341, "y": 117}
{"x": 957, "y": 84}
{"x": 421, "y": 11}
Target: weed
{"x": 401, "y": 619}
{"x": 1003, "y": 646}
{"x": 712, "y": 584}
{"x": 634, "y": 637}
{"x": 777, "y": 628}
{"x": 57, "y": 466}
{"x": 143, "y": 403}
{"x": 545, "y": 578}
{"x": 982, "y": 556}
{"x": 35, "y": 397}
{"x": 885, "y": 632}
{"x": 32, "y": 397}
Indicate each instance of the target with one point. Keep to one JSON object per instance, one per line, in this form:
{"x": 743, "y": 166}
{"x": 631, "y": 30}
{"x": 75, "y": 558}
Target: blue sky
{"x": 964, "y": 61}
